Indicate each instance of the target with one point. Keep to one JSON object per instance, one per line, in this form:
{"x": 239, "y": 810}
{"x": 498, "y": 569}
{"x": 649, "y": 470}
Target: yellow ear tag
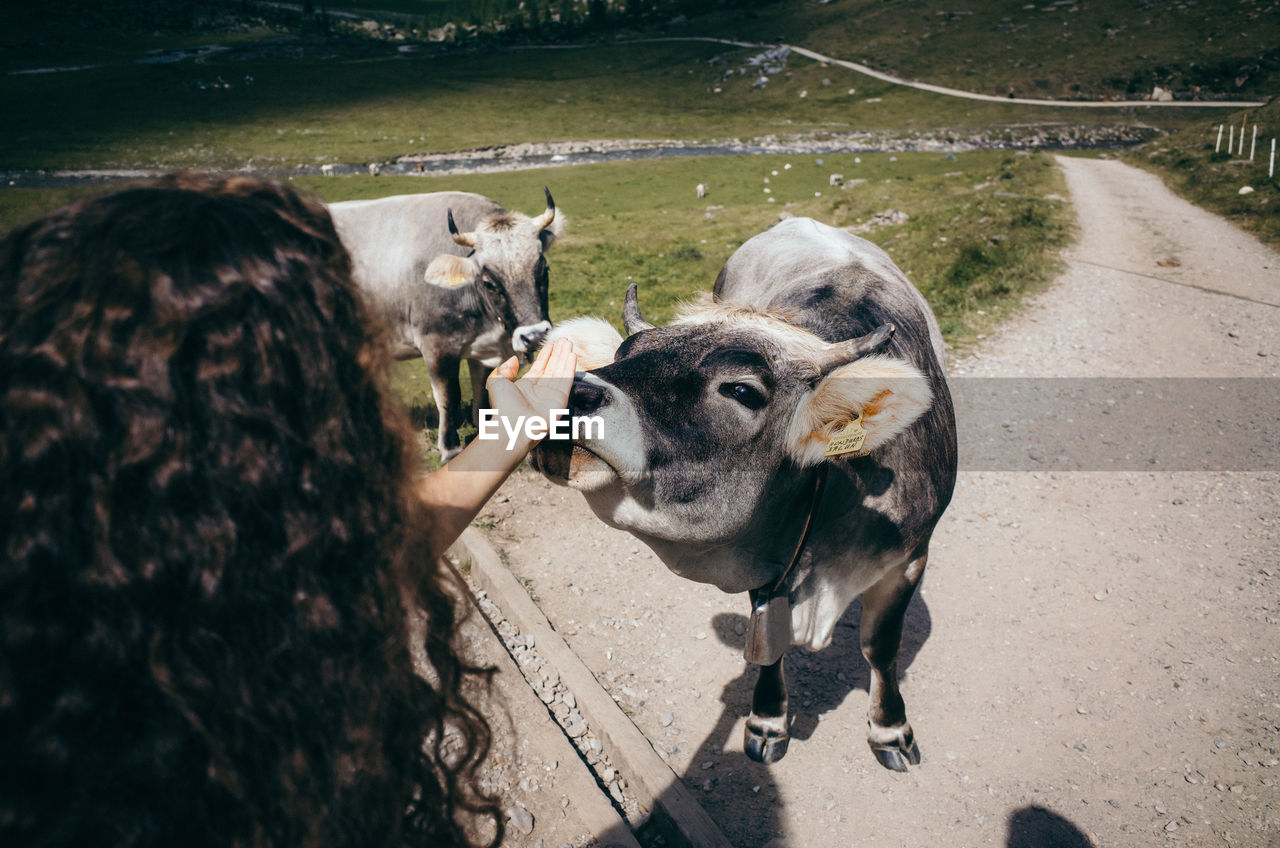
{"x": 848, "y": 440}
{"x": 459, "y": 279}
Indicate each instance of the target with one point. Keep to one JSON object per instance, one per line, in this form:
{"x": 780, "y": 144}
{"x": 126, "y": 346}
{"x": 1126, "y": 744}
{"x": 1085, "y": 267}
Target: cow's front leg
{"x": 884, "y": 606}
{"x": 443, "y": 372}
{"x": 479, "y": 394}
{"x": 767, "y": 734}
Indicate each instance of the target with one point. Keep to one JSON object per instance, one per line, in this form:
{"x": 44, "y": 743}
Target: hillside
{"x": 1038, "y": 48}
{"x": 1078, "y": 49}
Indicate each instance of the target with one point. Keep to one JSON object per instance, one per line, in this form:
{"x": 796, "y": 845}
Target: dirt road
{"x": 1094, "y": 657}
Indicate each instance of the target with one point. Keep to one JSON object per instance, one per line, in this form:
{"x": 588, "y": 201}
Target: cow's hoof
{"x": 765, "y": 744}
{"x": 898, "y": 753}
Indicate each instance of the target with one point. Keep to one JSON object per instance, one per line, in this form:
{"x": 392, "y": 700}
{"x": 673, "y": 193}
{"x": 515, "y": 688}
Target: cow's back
{"x": 392, "y": 239}
{"x": 834, "y": 284}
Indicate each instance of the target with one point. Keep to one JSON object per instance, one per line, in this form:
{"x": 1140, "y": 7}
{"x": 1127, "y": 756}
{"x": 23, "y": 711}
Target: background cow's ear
{"x": 888, "y": 393}
{"x": 449, "y": 270}
{"x": 595, "y": 341}
{"x": 548, "y": 235}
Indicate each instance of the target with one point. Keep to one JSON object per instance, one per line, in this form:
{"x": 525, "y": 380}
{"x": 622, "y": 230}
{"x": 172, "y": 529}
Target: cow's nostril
{"x": 529, "y": 338}
{"x": 586, "y": 398}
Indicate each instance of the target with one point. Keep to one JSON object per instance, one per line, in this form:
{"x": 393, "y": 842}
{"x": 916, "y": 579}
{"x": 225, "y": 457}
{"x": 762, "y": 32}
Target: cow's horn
{"x": 842, "y": 353}
{"x": 464, "y": 239}
{"x": 544, "y": 220}
{"x": 631, "y": 320}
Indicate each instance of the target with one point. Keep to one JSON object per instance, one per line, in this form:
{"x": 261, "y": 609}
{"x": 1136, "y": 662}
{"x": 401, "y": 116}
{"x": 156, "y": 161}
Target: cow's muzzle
{"x": 559, "y": 459}
{"x": 529, "y": 338}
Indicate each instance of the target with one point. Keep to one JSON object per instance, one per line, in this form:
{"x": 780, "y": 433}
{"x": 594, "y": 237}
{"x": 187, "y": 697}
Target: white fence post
{"x": 1253, "y": 144}
{"x": 1218, "y": 145}
{"x": 1272, "y": 171}
{"x": 1231, "y": 139}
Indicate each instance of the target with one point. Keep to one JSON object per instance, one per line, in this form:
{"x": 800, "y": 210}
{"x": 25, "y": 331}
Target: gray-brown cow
{"x": 455, "y": 276}
{"x": 717, "y": 430}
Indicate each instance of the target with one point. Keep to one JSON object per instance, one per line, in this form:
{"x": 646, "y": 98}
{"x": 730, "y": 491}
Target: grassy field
{"x": 983, "y": 229}
{"x": 310, "y": 110}
{"x": 1038, "y": 48}
{"x": 1187, "y": 162}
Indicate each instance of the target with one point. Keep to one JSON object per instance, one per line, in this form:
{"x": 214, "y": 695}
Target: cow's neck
{"x": 756, "y": 557}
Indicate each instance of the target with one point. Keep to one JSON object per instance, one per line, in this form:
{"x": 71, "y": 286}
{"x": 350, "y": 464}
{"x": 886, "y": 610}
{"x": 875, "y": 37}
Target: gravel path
{"x": 1094, "y": 658}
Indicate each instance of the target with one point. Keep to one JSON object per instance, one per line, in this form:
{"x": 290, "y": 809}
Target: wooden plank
{"x": 656, "y": 786}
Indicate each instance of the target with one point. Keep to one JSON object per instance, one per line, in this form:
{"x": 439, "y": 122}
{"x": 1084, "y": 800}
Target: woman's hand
{"x": 455, "y": 493}
{"x": 541, "y": 391}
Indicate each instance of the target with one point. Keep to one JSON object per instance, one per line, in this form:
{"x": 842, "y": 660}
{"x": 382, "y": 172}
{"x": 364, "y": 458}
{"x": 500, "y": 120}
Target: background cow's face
{"x": 706, "y": 419}
{"x": 510, "y": 271}
{"x": 512, "y": 279}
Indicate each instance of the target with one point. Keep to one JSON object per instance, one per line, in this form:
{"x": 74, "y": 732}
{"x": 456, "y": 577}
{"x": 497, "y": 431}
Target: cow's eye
{"x": 745, "y": 394}
{"x": 489, "y": 282}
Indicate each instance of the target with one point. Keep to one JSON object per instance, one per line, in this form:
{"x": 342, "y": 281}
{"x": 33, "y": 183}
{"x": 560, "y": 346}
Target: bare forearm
{"x": 455, "y": 493}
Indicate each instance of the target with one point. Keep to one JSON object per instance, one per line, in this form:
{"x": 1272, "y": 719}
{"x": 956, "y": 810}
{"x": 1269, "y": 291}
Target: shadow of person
{"x": 1036, "y": 827}
{"x": 740, "y": 794}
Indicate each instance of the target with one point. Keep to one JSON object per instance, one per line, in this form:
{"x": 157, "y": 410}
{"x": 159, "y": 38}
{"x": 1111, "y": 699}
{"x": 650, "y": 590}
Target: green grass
{"x": 19, "y": 205}
{"x": 968, "y": 250}
{"x": 1037, "y": 48}
{"x": 973, "y": 254}
{"x": 1186, "y": 161}
{"x": 641, "y": 222}
{"x": 427, "y": 8}
{"x": 375, "y": 108}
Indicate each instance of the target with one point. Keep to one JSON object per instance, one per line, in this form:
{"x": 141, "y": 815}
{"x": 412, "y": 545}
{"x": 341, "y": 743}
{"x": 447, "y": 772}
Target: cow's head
{"x": 706, "y": 419}
{"x": 509, "y": 271}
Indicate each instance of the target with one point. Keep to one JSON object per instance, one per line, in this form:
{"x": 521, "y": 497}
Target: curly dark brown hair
{"x": 209, "y": 541}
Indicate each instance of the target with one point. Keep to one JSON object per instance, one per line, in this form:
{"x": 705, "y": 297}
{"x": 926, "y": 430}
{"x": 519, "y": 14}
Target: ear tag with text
{"x": 849, "y": 439}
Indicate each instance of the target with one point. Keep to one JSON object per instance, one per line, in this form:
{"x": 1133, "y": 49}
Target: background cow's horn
{"x": 842, "y": 353}
{"x": 544, "y": 220}
{"x": 631, "y": 320}
{"x": 466, "y": 240}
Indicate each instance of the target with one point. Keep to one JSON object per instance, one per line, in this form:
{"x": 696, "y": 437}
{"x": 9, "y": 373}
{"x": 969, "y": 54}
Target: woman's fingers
{"x": 544, "y": 387}
{"x": 565, "y": 361}
{"x": 558, "y": 361}
{"x": 505, "y": 371}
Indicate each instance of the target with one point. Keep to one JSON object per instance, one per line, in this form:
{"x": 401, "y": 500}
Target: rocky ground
{"x": 514, "y": 157}
{"x": 1093, "y": 658}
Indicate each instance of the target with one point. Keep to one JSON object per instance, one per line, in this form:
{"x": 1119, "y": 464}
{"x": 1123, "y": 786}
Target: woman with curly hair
{"x": 211, "y": 538}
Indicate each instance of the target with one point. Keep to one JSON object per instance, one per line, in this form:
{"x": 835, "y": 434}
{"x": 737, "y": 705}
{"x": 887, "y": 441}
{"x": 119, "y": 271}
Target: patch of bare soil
{"x": 1094, "y": 657}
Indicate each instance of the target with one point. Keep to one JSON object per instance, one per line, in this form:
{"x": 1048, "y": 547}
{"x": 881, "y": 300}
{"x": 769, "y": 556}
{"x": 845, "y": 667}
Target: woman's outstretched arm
{"x": 455, "y": 493}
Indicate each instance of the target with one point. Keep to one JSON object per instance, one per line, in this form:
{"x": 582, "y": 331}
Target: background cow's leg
{"x": 767, "y": 734}
{"x": 443, "y": 371}
{"x": 479, "y": 395}
{"x": 884, "y": 606}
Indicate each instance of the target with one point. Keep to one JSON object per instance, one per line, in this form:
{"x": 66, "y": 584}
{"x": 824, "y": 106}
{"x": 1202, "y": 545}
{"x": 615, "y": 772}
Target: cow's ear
{"x": 448, "y": 270}
{"x": 885, "y": 394}
{"x": 549, "y": 234}
{"x": 595, "y": 341}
